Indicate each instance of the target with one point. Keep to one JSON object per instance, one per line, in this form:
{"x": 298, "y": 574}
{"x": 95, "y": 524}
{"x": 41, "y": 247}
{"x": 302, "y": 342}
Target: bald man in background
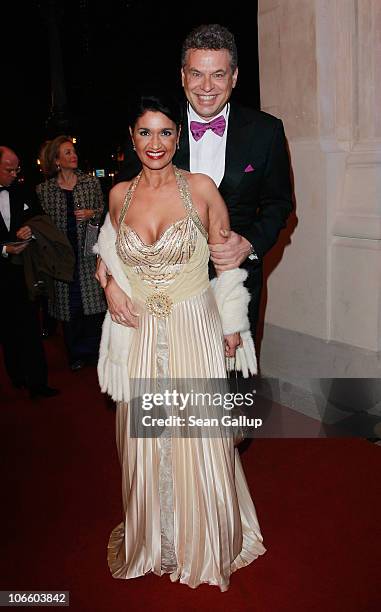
{"x": 20, "y": 333}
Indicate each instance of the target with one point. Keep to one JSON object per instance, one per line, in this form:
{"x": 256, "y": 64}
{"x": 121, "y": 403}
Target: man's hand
{"x": 232, "y": 342}
{"x": 231, "y": 254}
{"x": 24, "y": 233}
{"x": 16, "y": 249}
{"x": 120, "y": 305}
{"x": 101, "y": 273}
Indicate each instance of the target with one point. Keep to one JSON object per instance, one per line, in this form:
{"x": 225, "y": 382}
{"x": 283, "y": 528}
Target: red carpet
{"x": 318, "y": 502}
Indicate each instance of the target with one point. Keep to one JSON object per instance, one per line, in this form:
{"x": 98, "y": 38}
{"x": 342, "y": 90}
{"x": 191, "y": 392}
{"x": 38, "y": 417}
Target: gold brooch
{"x": 159, "y": 304}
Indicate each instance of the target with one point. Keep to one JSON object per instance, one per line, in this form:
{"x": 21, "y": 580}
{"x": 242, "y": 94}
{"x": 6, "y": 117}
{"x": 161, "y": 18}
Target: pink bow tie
{"x": 198, "y": 129}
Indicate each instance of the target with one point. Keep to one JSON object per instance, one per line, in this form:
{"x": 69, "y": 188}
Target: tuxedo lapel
{"x": 15, "y": 218}
{"x": 15, "y": 210}
{"x": 3, "y": 228}
{"x": 238, "y": 144}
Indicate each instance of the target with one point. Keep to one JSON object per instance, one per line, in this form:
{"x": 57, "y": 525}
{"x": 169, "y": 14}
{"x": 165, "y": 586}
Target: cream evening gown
{"x": 187, "y": 506}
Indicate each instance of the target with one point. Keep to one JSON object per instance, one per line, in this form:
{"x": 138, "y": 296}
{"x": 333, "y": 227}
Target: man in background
{"x": 20, "y": 333}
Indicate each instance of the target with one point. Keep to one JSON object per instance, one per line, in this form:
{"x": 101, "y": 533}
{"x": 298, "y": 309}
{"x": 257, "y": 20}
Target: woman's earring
{"x": 58, "y": 167}
{"x": 133, "y": 146}
{"x": 177, "y": 145}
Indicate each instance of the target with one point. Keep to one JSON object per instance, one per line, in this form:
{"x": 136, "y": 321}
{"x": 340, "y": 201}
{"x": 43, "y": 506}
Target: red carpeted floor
{"x": 318, "y": 502}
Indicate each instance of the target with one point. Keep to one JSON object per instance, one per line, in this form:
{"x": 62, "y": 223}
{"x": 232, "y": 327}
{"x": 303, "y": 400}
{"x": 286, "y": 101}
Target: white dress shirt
{"x": 5, "y": 211}
{"x": 207, "y": 155}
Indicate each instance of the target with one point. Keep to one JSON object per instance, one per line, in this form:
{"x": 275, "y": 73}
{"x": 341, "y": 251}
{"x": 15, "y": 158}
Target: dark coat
{"x": 256, "y": 185}
{"x": 49, "y": 256}
{"x": 87, "y": 194}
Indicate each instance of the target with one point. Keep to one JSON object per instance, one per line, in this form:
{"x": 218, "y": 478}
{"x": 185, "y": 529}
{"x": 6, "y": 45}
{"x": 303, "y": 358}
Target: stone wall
{"x": 320, "y": 73}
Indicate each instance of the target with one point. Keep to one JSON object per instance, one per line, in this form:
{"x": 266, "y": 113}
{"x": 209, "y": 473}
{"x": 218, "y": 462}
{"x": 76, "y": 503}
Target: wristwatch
{"x": 252, "y": 255}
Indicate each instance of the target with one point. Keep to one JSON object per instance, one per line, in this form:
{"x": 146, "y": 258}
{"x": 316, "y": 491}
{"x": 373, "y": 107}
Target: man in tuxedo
{"x": 243, "y": 150}
{"x": 20, "y": 334}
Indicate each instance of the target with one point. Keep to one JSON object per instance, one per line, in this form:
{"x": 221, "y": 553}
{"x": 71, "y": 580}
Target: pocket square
{"x": 26, "y": 207}
{"x": 249, "y": 168}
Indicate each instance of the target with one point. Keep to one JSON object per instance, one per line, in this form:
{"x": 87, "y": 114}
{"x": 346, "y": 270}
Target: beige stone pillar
{"x": 320, "y": 69}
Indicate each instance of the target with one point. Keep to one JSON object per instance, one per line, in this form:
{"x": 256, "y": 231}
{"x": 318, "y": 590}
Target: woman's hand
{"x": 232, "y": 342}
{"x": 120, "y": 305}
{"x": 84, "y": 214}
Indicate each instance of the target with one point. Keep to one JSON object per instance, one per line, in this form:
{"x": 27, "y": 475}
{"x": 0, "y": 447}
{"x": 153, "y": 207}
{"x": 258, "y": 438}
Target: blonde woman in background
{"x": 72, "y": 199}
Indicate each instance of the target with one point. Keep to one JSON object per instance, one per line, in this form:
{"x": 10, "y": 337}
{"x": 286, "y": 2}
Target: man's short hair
{"x": 213, "y": 37}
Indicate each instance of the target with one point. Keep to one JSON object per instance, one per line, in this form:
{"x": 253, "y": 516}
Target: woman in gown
{"x": 187, "y": 507}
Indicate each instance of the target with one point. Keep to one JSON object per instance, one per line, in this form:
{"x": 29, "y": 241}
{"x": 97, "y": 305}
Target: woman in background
{"x": 72, "y": 199}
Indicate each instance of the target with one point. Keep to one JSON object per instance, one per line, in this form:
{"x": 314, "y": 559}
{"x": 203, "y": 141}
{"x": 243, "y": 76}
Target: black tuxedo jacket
{"x": 256, "y": 185}
{"x": 23, "y": 205}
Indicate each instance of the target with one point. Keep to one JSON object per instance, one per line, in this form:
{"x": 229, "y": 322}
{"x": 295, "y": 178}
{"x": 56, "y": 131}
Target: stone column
{"x": 320, "y": 69}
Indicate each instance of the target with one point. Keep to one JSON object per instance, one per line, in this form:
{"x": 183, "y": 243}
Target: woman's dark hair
{"x": 213, "y": 37}
{"x": 157, "y": 101}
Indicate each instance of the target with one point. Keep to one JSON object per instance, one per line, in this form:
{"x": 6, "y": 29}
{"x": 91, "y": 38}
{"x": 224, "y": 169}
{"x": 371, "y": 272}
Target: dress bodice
{"x": 176, "y": 264}
{"x": 159, "y": 263}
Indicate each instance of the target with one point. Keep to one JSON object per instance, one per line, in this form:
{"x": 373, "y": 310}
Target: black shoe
{"x": 42, "y": 391}
{"x": 77, "y": 365}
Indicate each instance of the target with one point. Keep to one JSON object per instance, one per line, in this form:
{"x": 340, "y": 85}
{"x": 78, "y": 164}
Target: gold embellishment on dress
{"x": 159, "y": 304}
{"x": 182, "y": 184}
{"x": 128, "y": 198}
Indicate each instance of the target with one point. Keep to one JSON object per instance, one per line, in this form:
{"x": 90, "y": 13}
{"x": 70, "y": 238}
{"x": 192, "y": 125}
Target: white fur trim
{"x": 116, "y": 339}
{"x": 232, "y": 299}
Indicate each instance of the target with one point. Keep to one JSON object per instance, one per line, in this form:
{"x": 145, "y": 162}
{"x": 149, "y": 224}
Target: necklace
{"x": 67, "y": 183}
